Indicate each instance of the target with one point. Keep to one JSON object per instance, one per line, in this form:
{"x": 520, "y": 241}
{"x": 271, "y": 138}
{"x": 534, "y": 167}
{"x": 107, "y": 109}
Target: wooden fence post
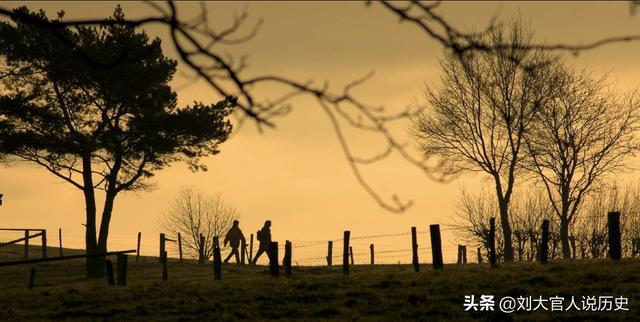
{"x": 464, "y": 254}
{"x": 330, "y": 253}
{"x": 436, "y": 247}
{"x": 26, "y": 243}
{"x": 414, "y": 248}
{"x": 165, "y": 271}
{"x": 122, "y": 269}
{"x": 373, "y": 262}
{"x": 217, "y": 263}
{"x": 479, "y": 256}
{"x": 138, "y": 247}
{"x": 44, "y": 243}
{"x": 32, "y": 277}
{"x": 60, "y": 240}
{"x": 615, "y": 244}
{"x": 180, "y": 246}
{"x": 110, "y": 278}
{"x": 544, "y": 242}
{"x": 351, "y": 254}
{"x": 493, "y": 259}
{"x": 251, "y": 250}
{"x": 162, "y": 248}
{"x": 216, "y": 241}
{"x": 345, "y": 253}
{"x": 459, "y": 261}
{"x": 274, "y": 268}
{"x": 286, "y": 261}
{"x": 201, "y": 250}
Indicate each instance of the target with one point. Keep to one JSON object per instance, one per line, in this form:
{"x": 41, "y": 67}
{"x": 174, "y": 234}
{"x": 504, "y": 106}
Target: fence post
{"x": 436, "y": 246}
{"x": 26, "y": 243}
{"x": 464, "y": 254}
{"x": 544, "y": 242}
{"x": 459, "y": 261}
{"x": 351, "y": 254}
{"x": 615, "y": 249}
{"x": 372, "y": 255}
{"x": 110, "y": 279}
{"x": 492, "y": 242}
{"x": 216, "y": 242}
{"x": 479, "y": 256}
{"x": 165, "y": 271}
{"x": 414, "y": 248}
{"x": 32, "y": 277}
{"x": 201, "y": 250}
{"x": 251, "y": 250}
{"x": 122, "y": 269}
{"x": 345, "y": 253}
{"x": 44, "y": 243}
{"x": 274, "y": 268}
{"x": 330, "y": 253}
{"x": 180, "y": 246}
{"x": 286, "y": 261}
{"x": 60, "y": 239}
{"x": 162, "y": 249}
{"x": 217, "y": 263}
{"x": 138, "y": 247}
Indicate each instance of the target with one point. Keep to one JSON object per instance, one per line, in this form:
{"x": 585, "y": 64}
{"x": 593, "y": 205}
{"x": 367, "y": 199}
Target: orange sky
{"x": 296, "y": 175}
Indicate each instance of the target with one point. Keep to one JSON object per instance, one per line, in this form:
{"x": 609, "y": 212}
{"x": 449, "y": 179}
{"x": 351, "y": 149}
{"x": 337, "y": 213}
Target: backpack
{"x": 260, "y": 235}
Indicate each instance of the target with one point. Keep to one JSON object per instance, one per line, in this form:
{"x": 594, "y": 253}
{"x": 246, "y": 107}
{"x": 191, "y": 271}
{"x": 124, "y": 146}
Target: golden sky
{"x": 296, "y": 175}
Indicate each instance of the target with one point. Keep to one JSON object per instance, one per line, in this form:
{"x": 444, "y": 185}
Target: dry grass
{"x": 389, "y": 292}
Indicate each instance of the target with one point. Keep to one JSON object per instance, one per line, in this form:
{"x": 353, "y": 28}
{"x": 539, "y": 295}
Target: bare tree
{"x": 473, "y": 212}
{"x": 527, "y": 211}
{"x": 476, "y": 119}
{"x": 579, "y": 137}
{"x": 590, "y": 228}
{"x": 193, "y": 213}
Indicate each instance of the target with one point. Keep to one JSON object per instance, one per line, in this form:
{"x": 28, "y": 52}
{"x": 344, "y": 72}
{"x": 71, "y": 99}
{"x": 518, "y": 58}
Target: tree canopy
{"x": 107, "y": 122}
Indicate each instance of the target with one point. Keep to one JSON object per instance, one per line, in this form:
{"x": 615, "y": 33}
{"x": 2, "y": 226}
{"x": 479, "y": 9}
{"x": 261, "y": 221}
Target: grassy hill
{"x": 386, "y": 292}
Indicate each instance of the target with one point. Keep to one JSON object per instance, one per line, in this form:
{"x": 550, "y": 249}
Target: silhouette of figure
{"x": 264, "y": 237}
{"x": 234, "y": 237}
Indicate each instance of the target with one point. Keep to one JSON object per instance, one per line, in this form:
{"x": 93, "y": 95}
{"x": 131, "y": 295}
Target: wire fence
{"x": 389, "y": 247}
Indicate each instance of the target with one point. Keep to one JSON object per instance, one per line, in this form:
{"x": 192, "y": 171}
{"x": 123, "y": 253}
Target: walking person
{"x": 235, "y": 238}
{"x": 264, "y": 237}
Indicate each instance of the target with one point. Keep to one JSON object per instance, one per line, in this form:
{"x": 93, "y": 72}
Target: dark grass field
{"x": 379, "y": 293}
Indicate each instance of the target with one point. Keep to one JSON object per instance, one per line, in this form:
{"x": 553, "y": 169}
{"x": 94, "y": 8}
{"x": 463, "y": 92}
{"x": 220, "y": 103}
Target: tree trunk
{"x": 506, "y": 230}
{"x": 106, "y": 220}
{"x": 564, "y": 237}
{"x": 95, "y": 265}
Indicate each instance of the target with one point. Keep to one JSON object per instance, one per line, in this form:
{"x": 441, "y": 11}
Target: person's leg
{"x": 226, "y": 260}
{"x": 258, "y": 253}
{"x": 237, "y": 254}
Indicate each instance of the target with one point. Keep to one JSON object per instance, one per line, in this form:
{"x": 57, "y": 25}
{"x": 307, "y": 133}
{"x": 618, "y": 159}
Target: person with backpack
{"x": 234, "y": 237}
{"x": 264, "y": 237}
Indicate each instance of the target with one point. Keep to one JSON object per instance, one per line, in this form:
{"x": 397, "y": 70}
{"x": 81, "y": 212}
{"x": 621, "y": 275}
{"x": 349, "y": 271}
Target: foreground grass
{"x": 388, "y": 292}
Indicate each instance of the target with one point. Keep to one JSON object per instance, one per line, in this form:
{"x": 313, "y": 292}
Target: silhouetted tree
{"x": 94, "y": 127}
{"x": 584, "y": 134}
{"x": 193, "y": 213}
{"x": 202, "y": 48}
{"x": 474, "y": 212}
{"x": 475, "y": 120}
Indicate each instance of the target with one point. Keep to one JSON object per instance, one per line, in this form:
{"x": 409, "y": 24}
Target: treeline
{"x": 588, "y": 234}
